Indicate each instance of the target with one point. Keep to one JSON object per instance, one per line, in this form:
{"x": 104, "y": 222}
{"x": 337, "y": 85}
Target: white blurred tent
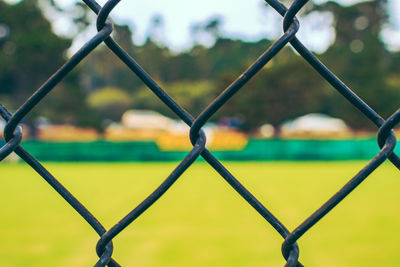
{"x": 145, "y": 119}
{"x": 316, "y": 124}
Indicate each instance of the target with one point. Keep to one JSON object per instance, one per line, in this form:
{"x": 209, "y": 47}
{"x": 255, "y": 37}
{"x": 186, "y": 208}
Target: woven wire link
{"x": 290, "y": 250}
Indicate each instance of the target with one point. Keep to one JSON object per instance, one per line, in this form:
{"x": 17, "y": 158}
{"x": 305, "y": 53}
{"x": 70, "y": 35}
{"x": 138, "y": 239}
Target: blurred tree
{"x": 208, "y": 32}
{"x": 68, "y": 105}
{"x": 102, "y": 68}
{"x": 359, "y": 57}
{"x": 286, "y": 88}
{"x": 32, "y": 51}
{"x": 29, "y": 56}
{"x": 226, "y": 56}
{"x": 156, "y": 30}
{"x": 109, "y": 102}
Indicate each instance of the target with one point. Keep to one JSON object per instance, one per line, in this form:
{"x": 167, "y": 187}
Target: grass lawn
{"x": 200, "y": 221}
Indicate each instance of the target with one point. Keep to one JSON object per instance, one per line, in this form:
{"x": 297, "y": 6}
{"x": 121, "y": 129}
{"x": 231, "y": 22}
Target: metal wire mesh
{"x": 290, "y": 250}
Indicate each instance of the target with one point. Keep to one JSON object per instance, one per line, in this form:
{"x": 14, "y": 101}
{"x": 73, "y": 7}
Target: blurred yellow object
{"x": 125, "y": 134}
{"x": 221, "y": 140}
{"x": 67, "y": 133}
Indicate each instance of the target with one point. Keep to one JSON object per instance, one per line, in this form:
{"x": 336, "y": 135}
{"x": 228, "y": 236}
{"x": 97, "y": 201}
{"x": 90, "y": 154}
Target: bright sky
{"x": 246, "y": 19}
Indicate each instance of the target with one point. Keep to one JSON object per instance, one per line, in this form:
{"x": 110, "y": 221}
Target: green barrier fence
{"x": 256, "y": 149}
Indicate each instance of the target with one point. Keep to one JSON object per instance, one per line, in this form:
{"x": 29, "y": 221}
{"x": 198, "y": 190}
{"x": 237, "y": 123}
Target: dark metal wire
{"x": 290, "y": 250}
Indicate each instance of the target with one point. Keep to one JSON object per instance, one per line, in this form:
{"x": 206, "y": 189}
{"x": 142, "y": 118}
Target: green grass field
{"x": 200, "y": 221}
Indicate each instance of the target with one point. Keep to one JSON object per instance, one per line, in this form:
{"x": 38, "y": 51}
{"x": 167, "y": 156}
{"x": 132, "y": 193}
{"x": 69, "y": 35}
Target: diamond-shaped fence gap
{"x": 218, "y": 222}
{"x": 292, "y": 207}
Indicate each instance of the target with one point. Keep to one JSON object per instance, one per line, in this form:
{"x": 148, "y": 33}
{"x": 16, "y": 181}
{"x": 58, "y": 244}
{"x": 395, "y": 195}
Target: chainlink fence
{"x": 290, "y": 250}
